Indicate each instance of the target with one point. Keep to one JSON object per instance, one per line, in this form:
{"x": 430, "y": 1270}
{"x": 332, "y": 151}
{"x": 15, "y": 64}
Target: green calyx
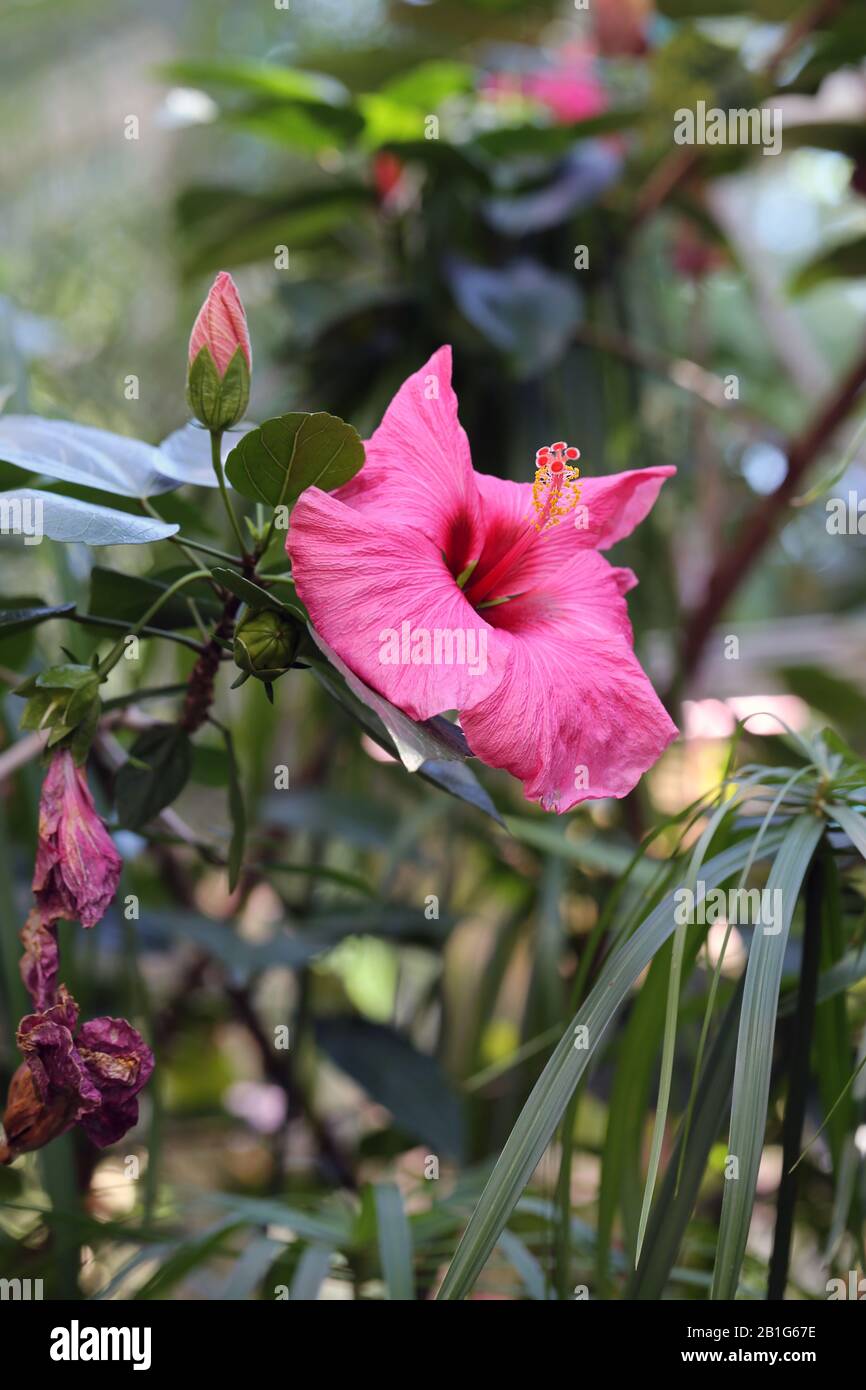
{"x": 219, "y": 402}
{"x": 65, "y": 700}
{"x": 266, "y": 643}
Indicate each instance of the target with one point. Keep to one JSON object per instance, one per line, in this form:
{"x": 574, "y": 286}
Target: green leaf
{"x": 853, "y": 824}
{"x": 188, "y": 1256}
{"x": 224, "y": 225}
{"x": 302, "y": 125}
{"x": 414, "y": 741}
{"x": 331, "y": 1227}
{"x": 592, "y": 852}
{"x": 81, "y": 454}
{"x": 434, "y": 748}
{"x": 552, "y": 141}
{"x": 311, "y": 1272}
{"x": 116, "y": 595}
{"x": 67, "y": 519}
{"x": 544, "y": 1109}
{"x": 393, "y": 1072}
{"x": 525, "y": 1263}
{"x": 676, "y": 1200}
{"x": 142, "y": 791}
{"x": 755, "y": 1053}
{"x": 395, "y": 1241}
{"x": 259, "y": 79}
{"x": 253, "y": 594}
{"x": 26, "y": 612}
{"x": 250, "y": 1268}
{"x": 277, "y": 461}
{"x": 320, "y": 935}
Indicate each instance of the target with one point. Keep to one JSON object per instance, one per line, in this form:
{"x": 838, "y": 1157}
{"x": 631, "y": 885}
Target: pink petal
{"x": 77, "y": 866}
{"x": 418, "y": 467}
{"x": 574, "y": 717}
{"x": 373, "y": 588}
{"x": 609, "y": 509}
{"x": 221, "y": 325}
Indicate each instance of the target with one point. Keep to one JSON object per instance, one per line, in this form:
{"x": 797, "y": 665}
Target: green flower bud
{"x": 266, "y": 643}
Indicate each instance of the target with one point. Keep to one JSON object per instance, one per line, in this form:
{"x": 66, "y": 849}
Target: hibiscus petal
{"x": 373, "y": 590}
{"x": 609, "y": 509}
{"x": 40, "y": 962}
{"x": 117, "y": 1058}
{"x": 118, "y": 1062}
{"x": 418, "y": 467}
{"x": 46, "y": 1041}
{"x": 77, "y": 866}
{"x": 575, "y": 717}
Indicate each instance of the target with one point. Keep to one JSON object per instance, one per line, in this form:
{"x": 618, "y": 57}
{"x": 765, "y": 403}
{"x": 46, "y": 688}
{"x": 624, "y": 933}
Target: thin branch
{"x": 737, "y": 562}
{"x": 680, "y": 372}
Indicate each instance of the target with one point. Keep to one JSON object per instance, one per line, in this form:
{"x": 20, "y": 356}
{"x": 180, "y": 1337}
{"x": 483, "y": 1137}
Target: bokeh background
{"x": 381, "y": 178}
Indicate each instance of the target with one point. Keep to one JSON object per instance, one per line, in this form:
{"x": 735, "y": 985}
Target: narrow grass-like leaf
{"x": 250, "y": 1268}
{"x": 525, "y": 1263}
{"x": 311, "y": 1273}
{"x": 544, "y": 1108}
{"x": 755, "y": 1053}
{"x": 395, "y": 1241}
{"x": 853, "y": 824}
{"x": 676, "y": 1199}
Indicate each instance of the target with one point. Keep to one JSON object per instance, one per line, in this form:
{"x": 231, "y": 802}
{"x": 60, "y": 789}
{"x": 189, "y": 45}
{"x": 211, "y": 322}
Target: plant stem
{"x": 798, "y": 1085}
{"x": 118, "y": 649}
{"x": 175, "y": 540}
{"x": 92, "y": 620}
{"x": 207, "y": 550}
{"x": 216, "y": 459}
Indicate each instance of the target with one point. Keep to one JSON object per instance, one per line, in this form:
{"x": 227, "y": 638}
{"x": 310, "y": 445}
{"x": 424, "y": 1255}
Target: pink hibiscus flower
{"x": 532, "y": 647}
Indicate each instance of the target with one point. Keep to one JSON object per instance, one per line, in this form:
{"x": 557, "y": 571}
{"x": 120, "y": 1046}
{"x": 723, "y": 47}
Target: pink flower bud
{"x": 77, "y": 866}
{"x": 221, "y": 325}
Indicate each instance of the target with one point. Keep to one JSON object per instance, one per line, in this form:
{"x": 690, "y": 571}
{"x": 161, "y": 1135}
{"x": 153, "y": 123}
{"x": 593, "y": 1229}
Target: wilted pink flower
{"x": 92, "y": 1080}
{"x": 221, "y": 325}
{"x": 77, "y": 866}
{"x": 40, "y": 962}
{"x": 559, "y": 699}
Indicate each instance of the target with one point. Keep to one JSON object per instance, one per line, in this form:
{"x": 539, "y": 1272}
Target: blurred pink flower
{"x": 419, "y": 542}
{"x": 77, "y": 866}
{"x": 221, "y": 325}
{"x": 568, "y": 88}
